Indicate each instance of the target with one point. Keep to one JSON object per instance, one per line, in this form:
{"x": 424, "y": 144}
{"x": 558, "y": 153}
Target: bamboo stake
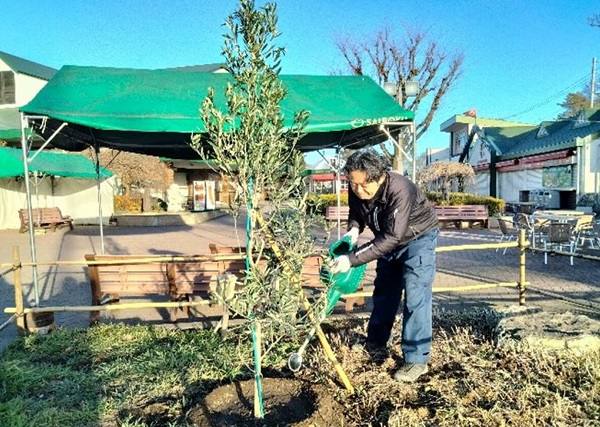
{"x": 476, "y": 246}
{"x": 522, "y": 285}
{"x": 473, "y": 287}
{"x": 109, "y": 307}
{"x": 135, "y": 260}
{"x": 18, "y": 290}
{"x": 306, "y": 304}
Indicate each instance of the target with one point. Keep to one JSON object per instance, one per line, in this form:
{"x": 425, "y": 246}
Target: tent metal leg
{"x": 31, "y": 230}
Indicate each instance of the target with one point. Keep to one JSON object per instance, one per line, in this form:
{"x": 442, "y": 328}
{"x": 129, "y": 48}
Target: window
{"x": 7, "y": 87}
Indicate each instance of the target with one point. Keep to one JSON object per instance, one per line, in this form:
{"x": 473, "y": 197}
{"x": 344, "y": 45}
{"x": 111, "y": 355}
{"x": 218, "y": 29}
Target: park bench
{"x": 113, "y": 276}
{"x": 310, "y": 275}
{"x": 456, "y": 215}
{"x": 332, "y": 213}
{"x": 44, "y": 218}
{"x": 178, "y": 278}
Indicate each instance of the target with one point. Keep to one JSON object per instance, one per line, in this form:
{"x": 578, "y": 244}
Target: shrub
{"x": 592, "y": 200}
{"x": 495, "y": 206}
{"x": 128, "y": 204}
{"x": 320, "y": 202}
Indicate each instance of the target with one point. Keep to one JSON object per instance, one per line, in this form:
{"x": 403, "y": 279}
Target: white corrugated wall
{"x": 510, "y": 184}
{"x": 75, "y": 197}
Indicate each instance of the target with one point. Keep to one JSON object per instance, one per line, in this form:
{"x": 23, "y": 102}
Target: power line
{"x": 560, "y": 93}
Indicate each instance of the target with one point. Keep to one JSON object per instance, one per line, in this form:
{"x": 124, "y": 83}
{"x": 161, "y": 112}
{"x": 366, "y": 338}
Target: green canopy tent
{"x": 10, "y": 126}
{"x": 155, "y": 111}
{"x": 46, "y": 163}
{"x": 11, "y": 163}
{"x": 49, "y": 163}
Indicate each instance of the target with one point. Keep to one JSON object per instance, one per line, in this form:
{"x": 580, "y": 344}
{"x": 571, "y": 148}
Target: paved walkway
{"x": 68, "y": 285}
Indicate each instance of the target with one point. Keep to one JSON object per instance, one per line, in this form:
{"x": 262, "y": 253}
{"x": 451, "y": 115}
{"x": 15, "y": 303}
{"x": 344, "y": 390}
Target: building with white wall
{"x": 511, "y": 159}
{"x": 20, "y": 81}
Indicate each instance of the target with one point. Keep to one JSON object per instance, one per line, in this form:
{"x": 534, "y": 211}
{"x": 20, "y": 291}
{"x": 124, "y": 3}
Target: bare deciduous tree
{"x": 594, "y": 20}
{"x": 136, "y": 172}
{"x": 417, "y": 58}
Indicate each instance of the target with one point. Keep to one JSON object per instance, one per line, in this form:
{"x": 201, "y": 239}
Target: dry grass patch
{"x": 471, "y": 382}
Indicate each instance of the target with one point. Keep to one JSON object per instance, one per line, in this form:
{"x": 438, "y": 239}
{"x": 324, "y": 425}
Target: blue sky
{"x": 521, "y": 56}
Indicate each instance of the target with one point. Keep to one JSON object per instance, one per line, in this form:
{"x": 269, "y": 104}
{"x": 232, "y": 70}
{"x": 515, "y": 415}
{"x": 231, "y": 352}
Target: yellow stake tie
{"x": 322, "y": 338}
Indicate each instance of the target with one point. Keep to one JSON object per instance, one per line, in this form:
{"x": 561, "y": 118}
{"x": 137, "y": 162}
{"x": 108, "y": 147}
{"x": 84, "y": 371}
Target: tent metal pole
{"x": 97, "y": 152}
{"x": 24, "y": 125}
{"x": 338, "y": 190}
{"x": 414, "y": 152}
{"x": 56, "y": 132}
{"x": 338, "y": 183}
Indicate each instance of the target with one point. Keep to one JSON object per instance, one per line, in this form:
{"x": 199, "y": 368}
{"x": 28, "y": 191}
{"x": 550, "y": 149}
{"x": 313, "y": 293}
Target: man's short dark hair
{"x": 369, "y": 161}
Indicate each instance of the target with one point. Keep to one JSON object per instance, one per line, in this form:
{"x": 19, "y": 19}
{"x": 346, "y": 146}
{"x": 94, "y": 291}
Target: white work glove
{"x": 353, "y": 234}
{"x": 341, "y": 264}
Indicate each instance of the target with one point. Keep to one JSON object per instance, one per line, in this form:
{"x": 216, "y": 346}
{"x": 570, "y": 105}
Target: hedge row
{"x": 495, "y": 206}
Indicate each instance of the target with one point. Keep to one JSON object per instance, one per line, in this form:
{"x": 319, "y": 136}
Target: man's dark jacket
{"x": 398, "y": 213}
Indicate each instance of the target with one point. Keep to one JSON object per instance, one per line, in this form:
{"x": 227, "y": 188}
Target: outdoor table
{"x": 553, "y": 218}
{"x": 541, "y": 220}
{"x": 559, "y": 212}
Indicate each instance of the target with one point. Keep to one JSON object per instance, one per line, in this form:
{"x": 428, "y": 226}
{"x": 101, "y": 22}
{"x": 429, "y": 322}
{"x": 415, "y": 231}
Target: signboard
{"x": 557, "y": 177}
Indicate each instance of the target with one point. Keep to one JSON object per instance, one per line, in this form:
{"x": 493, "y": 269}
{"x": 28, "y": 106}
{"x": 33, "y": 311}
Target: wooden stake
{"x": 109, "y": 307}
{"x": 18, "y": 291}
{"x": 322, "y": 338}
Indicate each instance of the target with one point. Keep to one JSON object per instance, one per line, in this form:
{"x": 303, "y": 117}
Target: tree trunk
{"x": 146, "y": 201}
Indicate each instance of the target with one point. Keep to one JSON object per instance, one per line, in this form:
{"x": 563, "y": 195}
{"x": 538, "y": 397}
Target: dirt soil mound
{"x": 287, "y": 402}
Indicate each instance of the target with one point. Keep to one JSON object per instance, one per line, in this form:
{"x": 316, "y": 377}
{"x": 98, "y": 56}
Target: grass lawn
{"x": 116, "y": 375}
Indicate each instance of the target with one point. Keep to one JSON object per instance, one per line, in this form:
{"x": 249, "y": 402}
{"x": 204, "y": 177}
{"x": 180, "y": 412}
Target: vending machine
{"x": 199, "y": 188}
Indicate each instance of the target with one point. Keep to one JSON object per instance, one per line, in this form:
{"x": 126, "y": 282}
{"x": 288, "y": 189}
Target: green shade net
{"x": 49, "y": 163}
{"x": 155, "y": 112}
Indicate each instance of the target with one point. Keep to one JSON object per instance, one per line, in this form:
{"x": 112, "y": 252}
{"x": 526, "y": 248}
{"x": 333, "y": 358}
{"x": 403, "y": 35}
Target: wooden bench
{"x": 182, "y": 278}
{"x": 462, "y": 213}
{"x": 310, "y": 275}
{"x": 332, "y": 213}
{"x": 44, "y": 218}
{"x": 113, "y": 276}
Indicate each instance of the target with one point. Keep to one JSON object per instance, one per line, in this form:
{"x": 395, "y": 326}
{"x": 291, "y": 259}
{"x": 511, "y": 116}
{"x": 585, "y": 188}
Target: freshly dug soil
{"x": 287, "y": 402}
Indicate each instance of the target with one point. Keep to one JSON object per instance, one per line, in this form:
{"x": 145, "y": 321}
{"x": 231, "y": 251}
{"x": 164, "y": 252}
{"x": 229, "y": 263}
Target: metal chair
{"x": 524, "y": 223}
{"x": 509, "y": 230}
{"x": 586, "y": 231}
{"x": 560, "y": 235}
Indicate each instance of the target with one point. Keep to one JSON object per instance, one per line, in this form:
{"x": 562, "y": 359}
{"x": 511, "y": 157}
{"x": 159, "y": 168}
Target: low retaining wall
{"x": 166, "y": 218}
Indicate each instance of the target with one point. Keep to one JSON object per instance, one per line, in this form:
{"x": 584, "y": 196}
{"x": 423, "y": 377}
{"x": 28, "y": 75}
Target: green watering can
{"x": 341, "y": 283}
